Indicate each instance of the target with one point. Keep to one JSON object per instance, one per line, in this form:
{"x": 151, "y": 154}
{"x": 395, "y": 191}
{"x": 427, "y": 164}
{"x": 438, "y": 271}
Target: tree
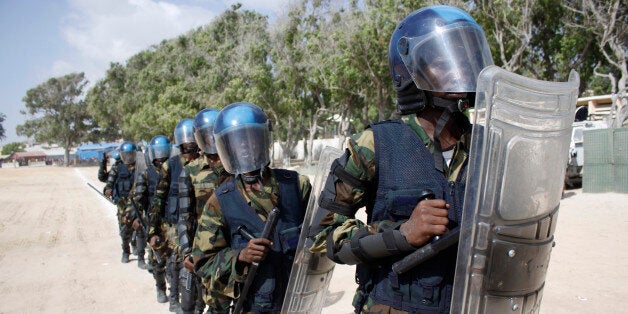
{"x": 59, "y": 115}
{"x": 12, "y": 147}
{"x": 2, "y": 131}
{"x": 607, "y": 22}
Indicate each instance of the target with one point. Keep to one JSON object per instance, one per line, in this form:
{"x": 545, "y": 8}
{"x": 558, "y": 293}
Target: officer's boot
{"x": 161, "y": 296}
{"x": 159, "y": 274}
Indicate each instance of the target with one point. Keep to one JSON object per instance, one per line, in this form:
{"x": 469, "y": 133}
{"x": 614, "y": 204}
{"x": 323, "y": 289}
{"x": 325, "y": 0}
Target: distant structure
{"x": 601, "y": 108}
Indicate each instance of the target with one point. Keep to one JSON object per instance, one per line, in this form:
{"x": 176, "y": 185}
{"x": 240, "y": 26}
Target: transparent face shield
{"x": 184, "y": 134}
{"x": 205, "y": 139}
{"x": 448, "y": 59}
{"x": 128, "y": 158}
{"x": 244, "y": 148}
{"x": 159, "y": 151}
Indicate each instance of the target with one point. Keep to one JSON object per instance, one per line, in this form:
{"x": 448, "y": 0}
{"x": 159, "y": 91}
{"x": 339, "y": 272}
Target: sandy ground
{"x": 60, "y": 252}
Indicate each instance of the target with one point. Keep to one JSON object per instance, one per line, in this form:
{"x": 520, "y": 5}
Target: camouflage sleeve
{"x": 138, "y": 197}
{"x": 187, "y": 219}
{"x": 140, "y": 191}
{"x": 306, "y": 188}
{"x": 361, "y": 165}
{"x": 214, "y": 259}
{"x": 158, "y": 203}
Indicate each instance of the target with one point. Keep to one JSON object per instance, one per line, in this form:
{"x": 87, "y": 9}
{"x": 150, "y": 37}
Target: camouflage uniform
{"x": 362, "y": 165}
{"x": 126, "y": 231}
{"x": 142, "y": 192}
{"x": 165, "y": 230}
{"x": 197, "y": 182}
{"x": 215, "y": 260}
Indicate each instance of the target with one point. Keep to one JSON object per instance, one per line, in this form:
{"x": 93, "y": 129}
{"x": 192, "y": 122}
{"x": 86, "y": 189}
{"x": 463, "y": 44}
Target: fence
{"x": 605, "y": 161}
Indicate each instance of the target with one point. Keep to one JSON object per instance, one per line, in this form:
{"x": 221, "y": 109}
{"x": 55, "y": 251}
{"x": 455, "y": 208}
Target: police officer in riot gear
{"x": 435, "y": 54}
{"x": 145, "y": 186}
{"x": 120, "y": 179}
{"x": 165, "y": 208}
{"x": 197, "y": 182}
{"x": 222, "y": 253}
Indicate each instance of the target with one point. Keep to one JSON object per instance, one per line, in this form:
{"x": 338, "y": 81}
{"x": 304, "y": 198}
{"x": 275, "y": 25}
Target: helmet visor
{"x": 448, "y": 59}
{"x": 244, "y": 148}
{"x": 128, "y": 157}
{"x": 184, "y": 133}
{"x": 159, "y": 151}
{"x": 205, "y": 140}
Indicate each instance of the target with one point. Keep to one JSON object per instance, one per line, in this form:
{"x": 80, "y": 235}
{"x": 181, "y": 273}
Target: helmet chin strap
{"x": 449, "y": 107}
{"x": 438, "y": 149}
{"x": 252, "y": 179}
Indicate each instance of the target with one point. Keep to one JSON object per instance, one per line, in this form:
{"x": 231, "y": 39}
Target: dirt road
{"x": 60, "y": 252}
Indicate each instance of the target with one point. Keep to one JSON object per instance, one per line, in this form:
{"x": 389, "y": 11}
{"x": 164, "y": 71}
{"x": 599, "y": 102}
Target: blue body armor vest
{"x": 405, "y": 168}
{"x": 172, "y": 205}
{"x": 153, "y": 179}
{"x": 269, "y": 287}
{"x": 124, "y": 181}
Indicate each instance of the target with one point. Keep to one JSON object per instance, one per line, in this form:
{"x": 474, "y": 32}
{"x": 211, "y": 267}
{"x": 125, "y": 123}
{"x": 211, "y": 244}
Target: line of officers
{"x": 191, "y": 207}
{"x": 187, "y": 206}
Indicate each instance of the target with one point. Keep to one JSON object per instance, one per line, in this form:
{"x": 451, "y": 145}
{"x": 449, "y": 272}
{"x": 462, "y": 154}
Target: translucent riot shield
{"x": 140, "y": 165}
{"x": 517, "y": 161}
{"x": 311, "y": 272}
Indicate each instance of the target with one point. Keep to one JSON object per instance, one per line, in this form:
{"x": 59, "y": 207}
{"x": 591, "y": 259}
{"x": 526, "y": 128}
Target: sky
{"x": 42, "y": 39}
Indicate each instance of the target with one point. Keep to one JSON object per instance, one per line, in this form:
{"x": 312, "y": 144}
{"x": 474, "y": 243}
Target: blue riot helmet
{"x": 184, "y": 134}
{"x": 159, "y": 147}
{"x": 116, "y": 155}
{"x": 436, "y": 49}
{"x": 204, "y": 130}
{"x": 128, "y": 152}
{"x": 242, "y": 135}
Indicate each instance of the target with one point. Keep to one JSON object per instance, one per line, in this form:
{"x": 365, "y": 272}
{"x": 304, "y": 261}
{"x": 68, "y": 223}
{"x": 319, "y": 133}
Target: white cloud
{"x": 100, "y": 32}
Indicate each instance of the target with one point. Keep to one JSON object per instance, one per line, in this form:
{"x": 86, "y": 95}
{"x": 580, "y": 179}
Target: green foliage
{"x": 322, "y": 59}
{"x": 13, "y": 147}
{"x": 59, "y": 115}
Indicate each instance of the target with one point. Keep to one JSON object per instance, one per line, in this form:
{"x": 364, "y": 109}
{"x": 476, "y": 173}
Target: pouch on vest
{"x": 289, "y": 239}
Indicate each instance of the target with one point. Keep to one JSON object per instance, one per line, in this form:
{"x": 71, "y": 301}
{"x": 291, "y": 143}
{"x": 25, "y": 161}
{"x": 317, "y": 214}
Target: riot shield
{"x": 311, "y": 272}
{"x": 140, "y": 165}
{"x": 519, "y": 150}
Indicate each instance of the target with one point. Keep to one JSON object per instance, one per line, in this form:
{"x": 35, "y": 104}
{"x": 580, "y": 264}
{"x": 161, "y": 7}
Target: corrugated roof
{"x": 29, "y": 154}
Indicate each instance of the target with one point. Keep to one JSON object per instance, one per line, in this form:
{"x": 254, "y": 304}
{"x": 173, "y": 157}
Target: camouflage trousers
{"x": 125, "y": 229}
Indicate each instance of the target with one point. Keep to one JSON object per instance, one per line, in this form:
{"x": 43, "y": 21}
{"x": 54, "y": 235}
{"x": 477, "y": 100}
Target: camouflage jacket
{"x": 139, "y": 198}
{"x": 113, "y": 177}
{"x": 197, "y": 182}
{"x": 212, "y": 253}
{"x": 158, "y": 203}
{"x": 361, "y": 164}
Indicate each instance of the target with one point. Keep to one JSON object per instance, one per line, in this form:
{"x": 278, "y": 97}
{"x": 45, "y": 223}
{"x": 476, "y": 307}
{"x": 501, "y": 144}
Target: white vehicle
{"x": 573, "y": 175}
